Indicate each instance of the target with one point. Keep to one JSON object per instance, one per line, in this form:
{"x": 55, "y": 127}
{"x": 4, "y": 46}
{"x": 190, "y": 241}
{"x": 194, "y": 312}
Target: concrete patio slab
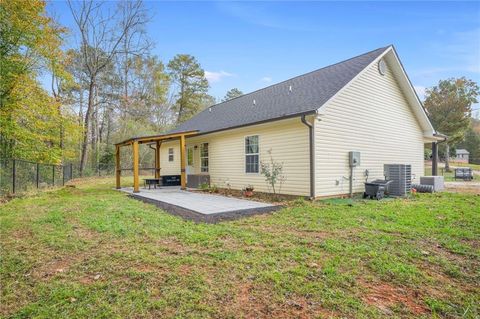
{"x": 200, "y": 206}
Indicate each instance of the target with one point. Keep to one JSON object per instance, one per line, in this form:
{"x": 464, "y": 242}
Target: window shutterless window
{"x": 251, "y": 154}
{"x": 204, "y": 158}
{"x": 170, "y": 154}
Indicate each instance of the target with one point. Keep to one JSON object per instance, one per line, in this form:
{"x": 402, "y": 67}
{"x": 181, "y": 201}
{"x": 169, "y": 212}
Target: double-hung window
{"x": 204, "y": 158}
{"x": 170, "y": 154}
{"x": 251, "y": 154}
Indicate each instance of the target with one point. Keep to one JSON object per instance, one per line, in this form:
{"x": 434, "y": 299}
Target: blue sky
{"x": 250, "y": 45}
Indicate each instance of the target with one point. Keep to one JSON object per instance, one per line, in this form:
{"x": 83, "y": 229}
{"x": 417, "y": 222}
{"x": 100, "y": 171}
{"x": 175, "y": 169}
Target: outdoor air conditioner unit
{"x": 401, "y": 175}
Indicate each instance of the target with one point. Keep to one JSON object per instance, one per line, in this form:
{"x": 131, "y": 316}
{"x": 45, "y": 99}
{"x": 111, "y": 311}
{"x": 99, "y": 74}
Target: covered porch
{"x": 156, "y": 141}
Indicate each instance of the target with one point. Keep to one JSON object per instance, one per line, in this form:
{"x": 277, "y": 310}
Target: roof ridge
{"x": 300, "y": 75}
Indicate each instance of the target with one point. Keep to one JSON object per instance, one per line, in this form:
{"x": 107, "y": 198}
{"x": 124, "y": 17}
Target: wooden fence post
{"x": 38, "y": 174}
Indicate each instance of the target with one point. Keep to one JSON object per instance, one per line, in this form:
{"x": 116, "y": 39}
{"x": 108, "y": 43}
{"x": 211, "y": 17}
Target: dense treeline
{"x": 105, "y": 87}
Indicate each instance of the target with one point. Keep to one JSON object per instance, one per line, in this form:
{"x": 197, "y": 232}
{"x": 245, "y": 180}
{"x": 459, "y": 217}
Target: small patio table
{"x": 150, "y": 182}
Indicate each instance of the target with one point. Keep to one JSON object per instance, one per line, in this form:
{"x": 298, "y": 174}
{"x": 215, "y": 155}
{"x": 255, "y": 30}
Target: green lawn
{"x": 92, "y": 252}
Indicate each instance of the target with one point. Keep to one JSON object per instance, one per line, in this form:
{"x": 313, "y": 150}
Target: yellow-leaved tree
{"x": 33, "y": 124}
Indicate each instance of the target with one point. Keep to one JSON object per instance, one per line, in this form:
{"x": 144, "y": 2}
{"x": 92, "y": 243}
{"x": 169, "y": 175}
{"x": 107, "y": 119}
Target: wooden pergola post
{"x": 157, "y": 159}
{"x": 136, "y": 187}
{"x": 183, "y": 174}
{"x": 118, "y": 171}
{"x": 136, "y": 141}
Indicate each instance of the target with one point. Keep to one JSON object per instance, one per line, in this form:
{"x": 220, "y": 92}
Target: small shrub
{"x": 204, "y": 187}
{"x": 213, "y": 189}
{"x": 273, "y": 172}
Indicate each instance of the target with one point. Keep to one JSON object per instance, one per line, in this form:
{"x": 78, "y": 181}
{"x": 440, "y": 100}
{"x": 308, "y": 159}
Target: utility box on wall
{"x": 354, "y": 158}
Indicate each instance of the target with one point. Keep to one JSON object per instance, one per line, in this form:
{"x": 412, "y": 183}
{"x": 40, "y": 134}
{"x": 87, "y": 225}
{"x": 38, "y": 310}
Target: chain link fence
{"x": 20, "y": 176}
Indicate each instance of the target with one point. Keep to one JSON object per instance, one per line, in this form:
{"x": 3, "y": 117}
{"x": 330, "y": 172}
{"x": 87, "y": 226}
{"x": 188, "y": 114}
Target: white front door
{"x": 190, "y": 161}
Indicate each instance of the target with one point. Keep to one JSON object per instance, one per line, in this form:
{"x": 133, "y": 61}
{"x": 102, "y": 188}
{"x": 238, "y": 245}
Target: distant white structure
{"x": 462, "y": 155}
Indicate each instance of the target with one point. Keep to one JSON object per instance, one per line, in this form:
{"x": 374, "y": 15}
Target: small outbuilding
{"x": 462, "y": 155}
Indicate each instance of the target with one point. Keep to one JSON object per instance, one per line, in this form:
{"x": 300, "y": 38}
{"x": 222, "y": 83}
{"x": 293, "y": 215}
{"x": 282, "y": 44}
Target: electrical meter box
{"x": 354, "y": 158}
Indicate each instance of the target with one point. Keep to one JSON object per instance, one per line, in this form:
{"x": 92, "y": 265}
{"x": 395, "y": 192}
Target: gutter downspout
{"x": 154, "y": 149}
{"x": 312, "y": 157}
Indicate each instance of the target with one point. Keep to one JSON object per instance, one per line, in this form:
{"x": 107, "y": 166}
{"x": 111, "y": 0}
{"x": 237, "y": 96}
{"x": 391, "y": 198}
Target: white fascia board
{"x": 411, "y": 95}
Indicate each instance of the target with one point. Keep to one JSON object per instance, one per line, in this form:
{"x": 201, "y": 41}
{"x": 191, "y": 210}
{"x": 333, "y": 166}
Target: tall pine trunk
{"x": 182, "y": 99}
{"x": 86, "y": 126}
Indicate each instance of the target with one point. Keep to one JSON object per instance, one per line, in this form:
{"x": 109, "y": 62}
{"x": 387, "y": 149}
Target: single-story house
{"x": 309, "y": 124}
{"x": 461, "y": 155}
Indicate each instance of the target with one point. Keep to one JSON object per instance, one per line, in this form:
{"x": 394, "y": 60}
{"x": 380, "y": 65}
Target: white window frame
{"x": 171, "y": 153}
{"x": 204, "y": 169}
{"x": 245, "y": 154}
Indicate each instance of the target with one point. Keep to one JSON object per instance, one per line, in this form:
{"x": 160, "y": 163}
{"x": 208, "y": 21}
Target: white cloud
{"x": 217, "y": 76}
{"x": 420, "y": 91}
{"x": 266, "y": 79}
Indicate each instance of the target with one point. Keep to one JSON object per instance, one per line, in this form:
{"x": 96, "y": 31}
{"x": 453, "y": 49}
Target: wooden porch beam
{"x": 136, "y": 185}
{"x": 183, "y": 175}
{"x": 118, "y": 171}
{"x": 153, "y": 138}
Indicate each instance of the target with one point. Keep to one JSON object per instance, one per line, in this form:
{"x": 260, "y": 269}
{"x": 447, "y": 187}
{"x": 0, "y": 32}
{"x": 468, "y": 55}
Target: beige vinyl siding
{"x": 288, "y": 140}
{"x": 170, "y": 168}
{"x": 371, "y": 116}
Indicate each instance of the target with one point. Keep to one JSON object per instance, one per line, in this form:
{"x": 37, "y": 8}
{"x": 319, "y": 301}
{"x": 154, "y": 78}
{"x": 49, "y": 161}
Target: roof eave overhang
{"x": 285, "y": 117}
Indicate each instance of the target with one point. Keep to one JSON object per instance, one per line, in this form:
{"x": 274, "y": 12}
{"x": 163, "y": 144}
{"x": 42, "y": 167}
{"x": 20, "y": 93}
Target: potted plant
{"x": 248, "y": 191}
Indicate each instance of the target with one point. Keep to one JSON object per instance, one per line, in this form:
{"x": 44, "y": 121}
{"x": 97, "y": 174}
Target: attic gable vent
{"x": 382, "y": 67}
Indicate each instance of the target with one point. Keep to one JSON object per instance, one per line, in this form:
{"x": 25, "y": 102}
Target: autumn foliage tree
{"x": 449, "y": 105}
{"x": 29, "y": 116}
{"x": 73, "y": 105}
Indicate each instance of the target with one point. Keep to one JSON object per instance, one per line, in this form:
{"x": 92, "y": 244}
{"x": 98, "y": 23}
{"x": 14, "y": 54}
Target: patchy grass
{"x": 90, "y": 251}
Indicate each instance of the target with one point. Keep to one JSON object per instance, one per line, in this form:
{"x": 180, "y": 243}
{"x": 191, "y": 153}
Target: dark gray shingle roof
{"x": 308, "y": 92}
